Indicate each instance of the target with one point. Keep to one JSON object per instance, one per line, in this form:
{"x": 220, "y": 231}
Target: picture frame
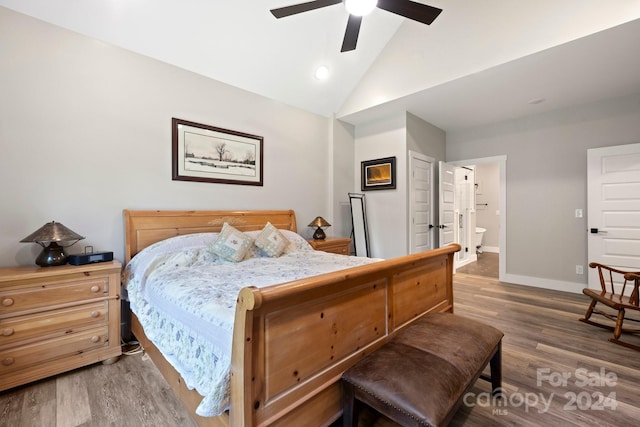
{"x": 378, "y": 174}
{"x": 204, "y": 153}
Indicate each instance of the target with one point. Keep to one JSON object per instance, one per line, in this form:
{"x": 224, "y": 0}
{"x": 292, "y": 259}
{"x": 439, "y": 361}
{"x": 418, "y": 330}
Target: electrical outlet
{"x": 578, "y": 213}
{"x": 579, "y": 269}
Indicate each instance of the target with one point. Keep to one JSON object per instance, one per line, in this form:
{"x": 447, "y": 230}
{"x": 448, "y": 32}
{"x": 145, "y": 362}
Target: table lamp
{"x": 48, "y": 237}
{"x": 319, "y": 222}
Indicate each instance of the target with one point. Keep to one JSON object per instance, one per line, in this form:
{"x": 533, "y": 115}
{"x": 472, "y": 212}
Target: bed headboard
{"x": 143, "y": 228}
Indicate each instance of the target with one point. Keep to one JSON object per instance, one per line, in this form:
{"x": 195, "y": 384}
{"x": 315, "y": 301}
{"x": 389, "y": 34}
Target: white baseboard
{"x": 538, "y": 282}
{"x": 492, "y": 249}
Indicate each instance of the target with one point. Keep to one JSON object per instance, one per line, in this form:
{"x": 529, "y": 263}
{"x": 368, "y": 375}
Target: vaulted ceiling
{"x": 481, "y": 61}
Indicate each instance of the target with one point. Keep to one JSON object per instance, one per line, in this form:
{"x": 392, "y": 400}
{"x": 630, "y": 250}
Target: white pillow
{"x": 271, "y": 241}
{"x": 231, "y": 244}
{"x": 298, "y": 243}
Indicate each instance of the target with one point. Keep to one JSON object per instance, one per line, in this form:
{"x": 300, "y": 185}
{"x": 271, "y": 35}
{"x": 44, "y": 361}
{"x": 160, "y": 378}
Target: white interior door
{"x": 421, "y": 170}
{"x": 447, "y": 198}
{"x": 613, "y": 182}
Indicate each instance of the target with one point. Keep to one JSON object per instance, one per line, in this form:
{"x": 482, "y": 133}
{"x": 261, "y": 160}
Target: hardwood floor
{"x": 487, "y": 265}
{"x": 554, "y": 367}
{"x": 128, "y": 393}
{"x": 543, "y": 341}
{"x": 554, "y": 370}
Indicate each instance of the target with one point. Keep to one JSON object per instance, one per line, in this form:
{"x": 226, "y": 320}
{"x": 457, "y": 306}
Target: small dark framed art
{"x": 378, "y": 174}
{"x": 210, "y": 154}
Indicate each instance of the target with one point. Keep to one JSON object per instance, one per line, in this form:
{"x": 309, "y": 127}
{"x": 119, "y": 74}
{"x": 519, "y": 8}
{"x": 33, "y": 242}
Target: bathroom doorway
{"x": 486, "y": 213}
{"x": 486, "y": 265}
{"x": 457, "y": 211}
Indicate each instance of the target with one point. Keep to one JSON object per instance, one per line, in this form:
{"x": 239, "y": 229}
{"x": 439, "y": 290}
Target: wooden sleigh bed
{"x": 292, "y": 342}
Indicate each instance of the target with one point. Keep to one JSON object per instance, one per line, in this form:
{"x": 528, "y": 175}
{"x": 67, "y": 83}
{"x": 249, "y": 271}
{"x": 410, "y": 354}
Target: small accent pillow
{"x": 231, "y": 244}
{"x": 272, "y": 241}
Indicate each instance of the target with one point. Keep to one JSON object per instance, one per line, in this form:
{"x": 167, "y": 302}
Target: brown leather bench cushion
{"x": 424, "y": 370}
{"x": 465, "y": 343}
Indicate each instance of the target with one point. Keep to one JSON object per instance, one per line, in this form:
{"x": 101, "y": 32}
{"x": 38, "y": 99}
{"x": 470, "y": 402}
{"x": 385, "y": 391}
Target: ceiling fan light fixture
{"x": 360, "y": 7}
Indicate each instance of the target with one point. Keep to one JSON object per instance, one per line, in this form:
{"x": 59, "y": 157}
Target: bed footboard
{"x": 293, "y": 341}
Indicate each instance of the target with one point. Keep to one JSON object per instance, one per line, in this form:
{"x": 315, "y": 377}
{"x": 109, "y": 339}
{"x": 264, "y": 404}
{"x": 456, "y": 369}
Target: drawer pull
{"x": 8, "y": 332}
{"x": 7, "y": 302}
{"x": 7, "y": 361}
{"x": 95, "y": 339}
{"x": 95, "y": 288}
{"x": 95, "y": 314}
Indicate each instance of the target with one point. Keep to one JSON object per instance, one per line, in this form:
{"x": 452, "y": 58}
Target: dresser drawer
{"x": 52, "y": 323}
{"x": 46, "y": 294}
{"x": 336, "y": 249}
{"x": 54, "y": 319}
{"x": 28, "y": 355}
{"x": 336, "y": 245}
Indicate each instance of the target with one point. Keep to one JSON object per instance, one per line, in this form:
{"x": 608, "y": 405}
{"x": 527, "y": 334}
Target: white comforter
{"x": 184, "y": 297}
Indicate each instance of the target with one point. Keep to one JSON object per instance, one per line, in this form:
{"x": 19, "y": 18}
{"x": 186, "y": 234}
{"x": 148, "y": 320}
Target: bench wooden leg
{"x": 495, "y": 365}
{"x": 349, "y": 407}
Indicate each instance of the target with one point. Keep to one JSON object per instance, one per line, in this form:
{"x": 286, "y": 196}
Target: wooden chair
{"x": 618, "y": 302}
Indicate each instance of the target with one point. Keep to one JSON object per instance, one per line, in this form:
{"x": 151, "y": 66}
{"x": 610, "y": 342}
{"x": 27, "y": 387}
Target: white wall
{"x": 85, "y": 132}
{"x": 546, "y": 180}
{"x": 386, "y": 209}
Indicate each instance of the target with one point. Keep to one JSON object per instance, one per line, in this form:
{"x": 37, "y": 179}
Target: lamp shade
{"x": 319, "y": 222}
{"x": 48, "y": 237}
{"x": 52, "y": 232}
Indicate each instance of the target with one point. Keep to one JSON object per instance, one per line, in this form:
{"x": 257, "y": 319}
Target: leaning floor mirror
{"x": 359, "y": 223}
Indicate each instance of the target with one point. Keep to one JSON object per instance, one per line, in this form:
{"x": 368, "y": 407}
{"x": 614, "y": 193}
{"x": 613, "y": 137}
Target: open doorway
{"x": 487, "y": 224}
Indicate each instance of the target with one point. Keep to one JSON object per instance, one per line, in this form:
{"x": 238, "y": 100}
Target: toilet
{"x": 479, "y": 234}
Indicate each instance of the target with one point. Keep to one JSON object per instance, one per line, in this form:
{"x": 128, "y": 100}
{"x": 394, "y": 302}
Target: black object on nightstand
{"x": 88, "y": 258}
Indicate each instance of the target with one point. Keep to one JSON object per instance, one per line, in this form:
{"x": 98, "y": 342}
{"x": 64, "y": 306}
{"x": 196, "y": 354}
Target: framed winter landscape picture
{"x": 210, "y": 154}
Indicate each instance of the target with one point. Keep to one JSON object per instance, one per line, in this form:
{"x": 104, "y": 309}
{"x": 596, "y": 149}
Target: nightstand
{"x": 54, "y": 319}
{"x": 336, "y": 245}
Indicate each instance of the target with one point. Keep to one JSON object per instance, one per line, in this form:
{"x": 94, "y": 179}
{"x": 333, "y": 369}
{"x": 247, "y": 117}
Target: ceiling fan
{"x": 358, "y": 8}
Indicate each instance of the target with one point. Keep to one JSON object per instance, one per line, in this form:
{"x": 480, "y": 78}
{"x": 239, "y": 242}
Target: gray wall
{"x": 425, "y": 138}
{"x": 546, "y": 180}
{"x": 387, "y": 210}
{"x": 343, "y": 175}
{"x": 488, "y": 180}
{"x": 85, "y": 132}
{"x": 430, "y": 140}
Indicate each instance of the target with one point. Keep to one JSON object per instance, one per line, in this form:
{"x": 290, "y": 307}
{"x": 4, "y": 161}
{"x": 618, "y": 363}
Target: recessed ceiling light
{"x": 534, "y": 101}
{"x": 322, "y": 72}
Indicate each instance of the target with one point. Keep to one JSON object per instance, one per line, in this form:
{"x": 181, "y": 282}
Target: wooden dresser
{"x": 55, "y": 319}
{"x": 336, "y": 245}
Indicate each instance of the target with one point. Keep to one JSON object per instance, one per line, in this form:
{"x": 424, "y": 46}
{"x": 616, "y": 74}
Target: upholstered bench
{"x": 420, "y": 376}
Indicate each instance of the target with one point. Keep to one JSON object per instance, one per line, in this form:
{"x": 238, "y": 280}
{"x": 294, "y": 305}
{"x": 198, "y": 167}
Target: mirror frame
{"x": 359, "y": 229}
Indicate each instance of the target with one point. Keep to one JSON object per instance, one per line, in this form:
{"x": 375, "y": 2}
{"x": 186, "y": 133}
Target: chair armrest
{"x": 632, "y": 276}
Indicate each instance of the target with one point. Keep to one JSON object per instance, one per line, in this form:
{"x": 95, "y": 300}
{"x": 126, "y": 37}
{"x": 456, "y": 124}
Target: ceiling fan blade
{"x": 281, "y": 12}
{"x": 351, "y": 34}
{"x": 410, "y": 9}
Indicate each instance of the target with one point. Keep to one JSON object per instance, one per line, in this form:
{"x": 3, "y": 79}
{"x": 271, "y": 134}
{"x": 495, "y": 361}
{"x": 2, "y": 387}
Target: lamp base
{"x": 319, "y": 234}
{"x": 51, "y": 256}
